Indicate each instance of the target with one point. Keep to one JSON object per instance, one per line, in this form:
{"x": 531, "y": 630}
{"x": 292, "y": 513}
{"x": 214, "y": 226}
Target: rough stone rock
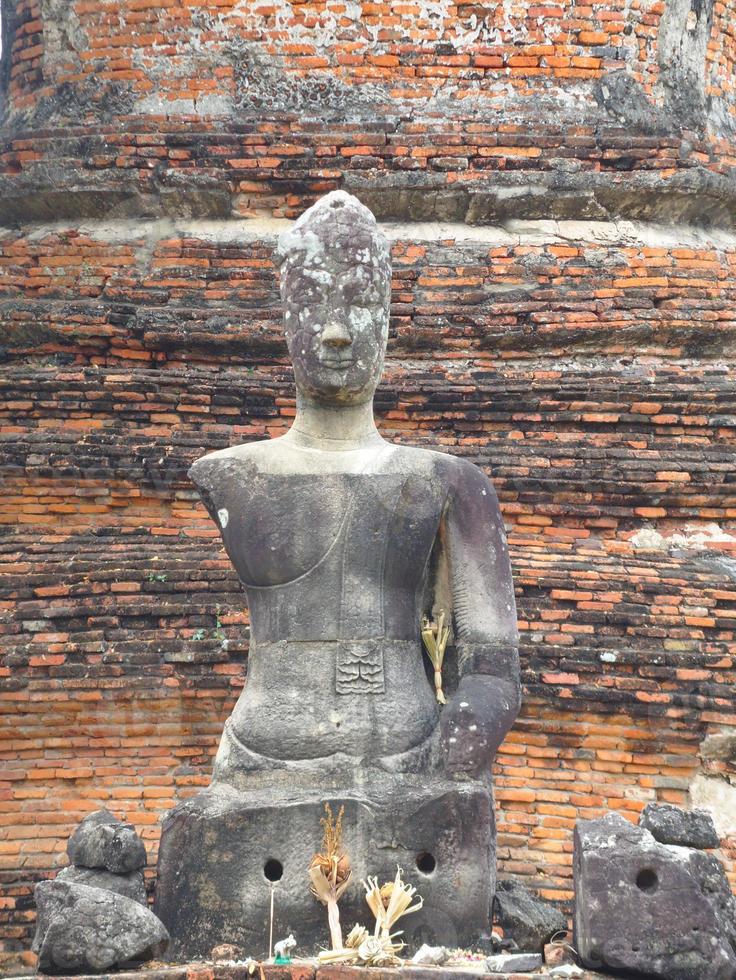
{"x": 624, "y": 99}
{"x": 672, "y": 825}
{"x": 488, "y": 945}
{"x": 225, "y": 952}
{"x": 431, "y": 955}
{"x": 103, "y": 841}
{"x": 130, "y": 885}
{"x": 514, "y": 962}
{"x": 644, "y": 907}
{"x": 525, "y": 918}
{"x": 83, "y": 929}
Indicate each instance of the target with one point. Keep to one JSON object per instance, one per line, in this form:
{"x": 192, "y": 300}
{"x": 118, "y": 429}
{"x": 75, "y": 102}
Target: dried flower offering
{"x": 365, "y": 950}
{"x": 329, "y": 872}
{"x": 435, "y": 637}
{"x": 390, "y": 902}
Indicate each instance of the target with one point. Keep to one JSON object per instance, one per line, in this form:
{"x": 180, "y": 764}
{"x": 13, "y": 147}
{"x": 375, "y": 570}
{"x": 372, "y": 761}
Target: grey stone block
{"x": 130, "y": 885}
{"x": 514, "y": 962}
{"x": 649, "y": 908}
{"x": 525, "y": 918}
{"x": 88, "y": 930}
{"x": 672, "y": 825}
{"x": 103, "y": 841}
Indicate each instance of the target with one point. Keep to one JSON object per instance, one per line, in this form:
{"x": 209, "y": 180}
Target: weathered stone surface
{"x": 91, "y": 929}
{"x": 130, "y": 885}
{"x": 514, "y": 962}
{"x": 58, "y": 193}
{"x": 657, "y": 909}
{"x": 525, "y": 918}
{"x": 672, "y": 825}
{"x": 103, "y": 841}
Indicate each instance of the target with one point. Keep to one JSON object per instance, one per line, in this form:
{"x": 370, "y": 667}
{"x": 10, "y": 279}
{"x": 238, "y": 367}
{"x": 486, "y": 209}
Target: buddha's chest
{"x": 279, "y": 528}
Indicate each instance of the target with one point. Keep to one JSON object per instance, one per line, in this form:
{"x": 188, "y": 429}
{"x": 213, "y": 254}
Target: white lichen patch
{"x": 718, "y": 796}
{"x": 701, "y": 538}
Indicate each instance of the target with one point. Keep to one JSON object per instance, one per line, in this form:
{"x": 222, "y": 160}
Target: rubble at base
{"x": 93, "y": 916}
{"x": 309, "y": 970}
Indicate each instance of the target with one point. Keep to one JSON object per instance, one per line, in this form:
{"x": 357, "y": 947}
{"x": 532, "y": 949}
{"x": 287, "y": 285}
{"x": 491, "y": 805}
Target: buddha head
{"x": 336, "y": 287}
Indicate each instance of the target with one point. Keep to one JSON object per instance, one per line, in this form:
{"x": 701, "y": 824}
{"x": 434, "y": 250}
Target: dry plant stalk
{"x": 389, "y": 902}
{"x": 330, "y": 871}
{"x": 435, "y": 636}
{"x": 365, "y": 950}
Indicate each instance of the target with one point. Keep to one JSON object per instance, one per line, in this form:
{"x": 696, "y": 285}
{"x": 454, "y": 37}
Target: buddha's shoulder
{"x": 233, "y": 460}
{"x": 442, "y": 465}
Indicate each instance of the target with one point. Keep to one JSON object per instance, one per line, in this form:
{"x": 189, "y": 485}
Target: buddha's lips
{"x": 336, "y": 363}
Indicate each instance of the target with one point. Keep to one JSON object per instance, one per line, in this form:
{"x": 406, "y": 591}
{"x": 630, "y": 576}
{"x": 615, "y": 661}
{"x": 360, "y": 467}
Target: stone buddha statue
{"x": 344, "y": 542}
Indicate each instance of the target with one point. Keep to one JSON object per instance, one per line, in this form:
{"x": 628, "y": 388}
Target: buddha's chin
{"x": 339, "y": 395}
{"x": 336, "y": 386}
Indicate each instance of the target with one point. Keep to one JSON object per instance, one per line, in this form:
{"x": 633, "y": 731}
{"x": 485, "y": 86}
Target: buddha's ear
{"x": 290, "y": 335}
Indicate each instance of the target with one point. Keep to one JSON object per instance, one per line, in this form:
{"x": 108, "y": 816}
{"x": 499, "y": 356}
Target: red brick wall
{"x": 180, "y": 51}
{"x": 563, "y": 315}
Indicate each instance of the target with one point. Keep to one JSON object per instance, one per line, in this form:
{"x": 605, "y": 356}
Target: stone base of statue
{"x": 222, "y": 851}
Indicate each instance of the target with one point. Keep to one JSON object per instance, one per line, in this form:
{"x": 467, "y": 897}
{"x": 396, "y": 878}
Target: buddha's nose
{"x": 335, "y": 334}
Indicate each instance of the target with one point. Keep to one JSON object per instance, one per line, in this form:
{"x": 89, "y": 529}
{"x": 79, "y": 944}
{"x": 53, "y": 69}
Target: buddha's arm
{"x": 481, "y": 711}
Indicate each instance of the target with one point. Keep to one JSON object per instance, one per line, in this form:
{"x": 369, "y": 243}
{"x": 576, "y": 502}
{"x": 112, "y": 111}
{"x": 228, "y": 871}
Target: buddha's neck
{"x": 333, "y": 427}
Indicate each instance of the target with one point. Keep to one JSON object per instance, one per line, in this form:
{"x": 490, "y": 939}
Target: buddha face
{"x": 335, "y": 286}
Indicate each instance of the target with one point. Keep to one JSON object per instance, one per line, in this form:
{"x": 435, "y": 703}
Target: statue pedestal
{"x": 219, "y": 850}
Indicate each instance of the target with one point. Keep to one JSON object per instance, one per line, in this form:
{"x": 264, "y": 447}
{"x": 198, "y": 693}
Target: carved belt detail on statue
{"x": 359, "y": 667}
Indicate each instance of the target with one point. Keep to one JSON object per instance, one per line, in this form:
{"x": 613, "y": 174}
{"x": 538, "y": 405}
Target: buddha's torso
{"x": 332, "y": 549}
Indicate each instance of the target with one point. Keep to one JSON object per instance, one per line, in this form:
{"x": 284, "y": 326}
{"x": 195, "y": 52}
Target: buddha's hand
{"x": 475, "y": 721}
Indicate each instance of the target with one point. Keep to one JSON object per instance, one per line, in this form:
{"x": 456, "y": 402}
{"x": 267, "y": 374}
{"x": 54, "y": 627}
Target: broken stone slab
{"x": 525, "y": 918}
{"x": 103, "y": 841}
{"x": 514, "y": 962}
{"x": 655, "y": 909}
{"x": 82, "y": 929}
{"x": 671, "y": 824}
{"x": 130, "y": 885}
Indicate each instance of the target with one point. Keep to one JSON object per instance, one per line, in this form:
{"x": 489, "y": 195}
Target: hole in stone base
{"x": 426, "y": 862}
{"x": 273, "y": 870}
{"x": 647, "y": 880}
